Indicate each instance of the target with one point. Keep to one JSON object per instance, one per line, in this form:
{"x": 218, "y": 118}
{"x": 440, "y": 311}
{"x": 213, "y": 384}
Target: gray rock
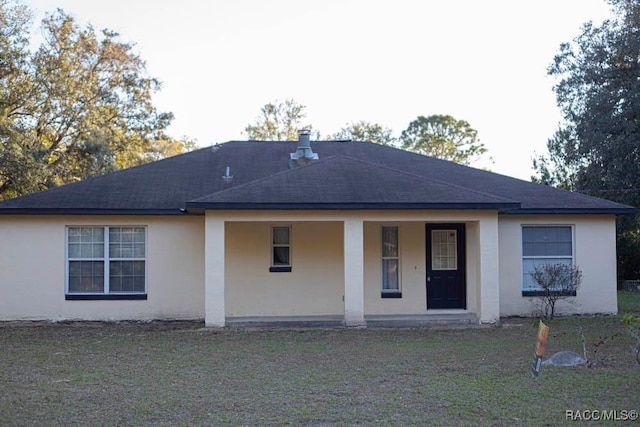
{"x": 565, "y": 358}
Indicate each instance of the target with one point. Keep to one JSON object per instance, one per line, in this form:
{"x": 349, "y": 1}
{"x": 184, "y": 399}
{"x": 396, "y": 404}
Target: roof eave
{"x": 89, "y": 211}
{"x": 194, "y": 207}
{"x": 571, "y": 211}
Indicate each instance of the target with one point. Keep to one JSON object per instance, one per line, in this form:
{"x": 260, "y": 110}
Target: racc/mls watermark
{"x": 601, "y": 415}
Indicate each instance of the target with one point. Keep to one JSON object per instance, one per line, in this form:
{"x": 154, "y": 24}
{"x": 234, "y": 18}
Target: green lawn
{"x": 629, "y": 302}
{"x": 178, "y": 374}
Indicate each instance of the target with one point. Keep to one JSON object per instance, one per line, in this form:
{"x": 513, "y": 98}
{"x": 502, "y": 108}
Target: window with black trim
{"x": 106, "y": 262}
{"x": 280, "y": 249}
{"x": 541, "y": 245}
{"x": 390, "y": 261}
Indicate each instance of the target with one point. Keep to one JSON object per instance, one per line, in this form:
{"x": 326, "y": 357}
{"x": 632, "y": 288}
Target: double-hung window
{"x": 541, "y": 245}
{"x": 390, "y": 263}
{"x": 106, "y": 262}
{"x": 280, "y": 249}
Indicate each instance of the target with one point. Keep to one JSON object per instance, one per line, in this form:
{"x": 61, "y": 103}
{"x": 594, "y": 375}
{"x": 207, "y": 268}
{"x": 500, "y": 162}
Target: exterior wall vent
{"x": 304, "y": 147}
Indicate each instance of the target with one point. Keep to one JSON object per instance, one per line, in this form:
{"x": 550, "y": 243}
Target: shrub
{"x": 556, "y": 282}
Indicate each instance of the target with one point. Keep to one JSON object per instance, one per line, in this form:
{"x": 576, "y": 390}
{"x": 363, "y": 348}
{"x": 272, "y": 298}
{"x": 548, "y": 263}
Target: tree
{"x": 79, "y": 106}
{"x": 278, "y": 121}
{"x": 596, "y": 149}
{"x": 164, "y": 148}
{"x": 560, "y": 147}
{"x": 15, "y": 88}
{"x": 556, "y": 282}
{"x": 365, "y": 131}
{"x": 628, "y": 248}
{"x": 443, "y": 137}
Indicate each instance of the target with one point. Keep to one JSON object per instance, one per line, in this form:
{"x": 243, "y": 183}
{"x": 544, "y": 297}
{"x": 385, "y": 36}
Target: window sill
{"x": 279, "y": 269}
{"x": 391, "y": 295}
{"x": 98, "y": 297}
{"x": 543, "y": 293}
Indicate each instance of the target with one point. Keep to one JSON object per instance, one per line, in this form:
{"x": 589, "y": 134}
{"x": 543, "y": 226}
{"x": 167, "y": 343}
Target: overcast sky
{"x": 347, "y": 60}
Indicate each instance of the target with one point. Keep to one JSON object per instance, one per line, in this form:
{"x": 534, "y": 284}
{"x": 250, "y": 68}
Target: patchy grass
{"x": 178, "y": 374}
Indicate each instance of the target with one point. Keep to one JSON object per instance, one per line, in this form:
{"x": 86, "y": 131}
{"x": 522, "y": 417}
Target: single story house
{"x": 344, "y": 230}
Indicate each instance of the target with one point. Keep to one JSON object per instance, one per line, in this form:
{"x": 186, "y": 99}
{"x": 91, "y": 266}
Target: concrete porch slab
{"x": 422, "y": 320}
{"x": 286, "y": 322}
{"x": 372, "y": 321}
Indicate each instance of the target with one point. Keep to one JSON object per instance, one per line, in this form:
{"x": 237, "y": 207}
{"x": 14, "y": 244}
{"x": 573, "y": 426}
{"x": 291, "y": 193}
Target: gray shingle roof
{"x": 342, "y": 182}
{"x": 349, "y": 175}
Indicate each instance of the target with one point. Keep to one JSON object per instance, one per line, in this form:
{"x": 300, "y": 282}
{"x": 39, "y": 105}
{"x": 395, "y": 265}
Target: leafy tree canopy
{"x": 444, "y": 137}
{"x": 437, "y": 135}
{"x": 365, "y": 131}
{"x": 596, "y": 149}
{"x": 278, "y": 121}
{"x": 79, "y": 106}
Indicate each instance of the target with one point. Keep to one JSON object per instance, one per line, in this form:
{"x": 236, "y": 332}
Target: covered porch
{"x": 334, "y": 275}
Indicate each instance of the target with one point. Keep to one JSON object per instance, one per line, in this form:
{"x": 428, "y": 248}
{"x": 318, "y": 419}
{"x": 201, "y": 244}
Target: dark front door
{"x": 446, "y": 282}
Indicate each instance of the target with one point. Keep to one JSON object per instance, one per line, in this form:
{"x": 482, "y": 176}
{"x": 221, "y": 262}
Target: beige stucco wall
{"x": 32, "y": 269}
{"x": 411, "y": 239}
{"x": 413, "y": 269}
{"x": 32, "y": 265}
{"x": 315, "y": 285}
{"x": 595, "y": 255}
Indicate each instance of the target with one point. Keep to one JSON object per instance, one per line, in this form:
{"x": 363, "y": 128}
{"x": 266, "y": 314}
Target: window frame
{"x": 531, "y": 292}
{"x": 280, "y": 268}
{"x": 106, "y": 293}
{"x": 390, "y": 293}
